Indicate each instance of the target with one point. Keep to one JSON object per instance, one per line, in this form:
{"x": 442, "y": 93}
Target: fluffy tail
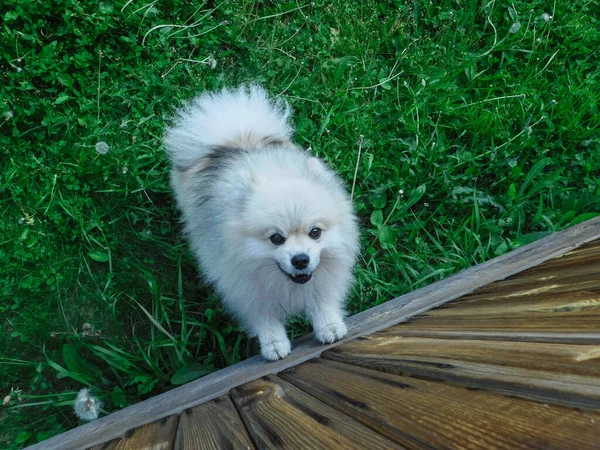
{"x": 220, "y": 118}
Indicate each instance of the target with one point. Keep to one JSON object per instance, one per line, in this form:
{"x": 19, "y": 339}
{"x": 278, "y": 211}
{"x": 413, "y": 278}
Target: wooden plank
{"x": 425, "y": 414}
{"x": 581, "y": 360}
{"x": 562, "y": 268}
{"x": 563, "y": 271}
{"x": 367, "y": 322}
{"x": 545, "y": 303}
{"x": 589, "y": 247}
{"x": 521, "y": 287}
{"x": 559, "y": 322}
{"x": 110, "y": 445}
{"x": 213, "y": 425}
{"x": 581, "y": 255}
{"x": 513, "y": 336}
{"x": 155, "y": 435}
{"x": 279, "y": 415}
{"x": 556, "y": 373}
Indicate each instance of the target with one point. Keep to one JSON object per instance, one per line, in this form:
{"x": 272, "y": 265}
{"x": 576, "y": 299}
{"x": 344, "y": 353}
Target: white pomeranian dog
{"x": 272, "y": 227}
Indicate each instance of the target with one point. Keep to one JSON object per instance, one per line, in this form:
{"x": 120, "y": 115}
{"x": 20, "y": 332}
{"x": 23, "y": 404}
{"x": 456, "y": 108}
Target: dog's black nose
{"x": 300, "y": 261}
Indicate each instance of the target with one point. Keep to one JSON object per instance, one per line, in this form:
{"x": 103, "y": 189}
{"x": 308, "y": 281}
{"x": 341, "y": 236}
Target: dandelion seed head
{"x": 19, "y": 69}
{"x": 102, "y": 147}
{"x": 515, "y": 27}
{"x": 86, "y": 406}
{"x": 8, "y": 115}
{"x": 212, "y": 62}
{"x": 546, "y": 17}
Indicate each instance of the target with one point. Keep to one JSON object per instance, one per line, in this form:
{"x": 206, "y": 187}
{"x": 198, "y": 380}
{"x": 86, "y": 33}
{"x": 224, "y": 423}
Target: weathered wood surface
{"x": 561, "y": 302}
{"x": 580, "y": 301}
{"x": 155, "y": 435}
{"x": 375, "y": 319}
{"x": 279, "y": 415}
{"x": 556, "y": 373}
{"x": 583, "y": 255}
{"x": 558, "y": 322}
{"x": 213, "y": 425}
{"x": 515, "y": 336}
{"x": 424, "y": 414}
{"x": 582, "y": 360}
{"x": 110, "y": 445}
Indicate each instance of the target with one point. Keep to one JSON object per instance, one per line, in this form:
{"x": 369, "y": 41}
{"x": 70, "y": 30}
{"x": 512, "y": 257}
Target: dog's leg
{"x": 328, "y": 322}
{"x": 274, "y": 343}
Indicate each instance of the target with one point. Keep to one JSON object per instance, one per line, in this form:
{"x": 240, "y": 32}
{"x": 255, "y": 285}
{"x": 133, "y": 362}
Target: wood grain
{"x": 367, "y": 322}
{"x": 558, "y": 322}
{"x": 279, "y": 415}
{"x": 581, "y": 255}
{"x": 559, "y": 274}
{"x": 425, "y": 414}
{"x": 515, "y": 336}
{"x": 525, "y": 287}
{"x": 556, "y": 373}
{"x": 550, "y": 302}
{"x": 155, "y": 435}
{"x": 214, "y": 425}
{"x": 583, "y": 360}
{"x": 110, "y": 445}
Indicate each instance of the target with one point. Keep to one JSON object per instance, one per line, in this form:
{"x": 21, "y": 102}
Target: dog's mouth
{"x": 300, "y": 278}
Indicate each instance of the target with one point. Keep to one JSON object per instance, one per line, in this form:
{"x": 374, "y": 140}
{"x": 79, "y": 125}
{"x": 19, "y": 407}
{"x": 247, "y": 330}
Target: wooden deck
{"x": 514, "y": 364}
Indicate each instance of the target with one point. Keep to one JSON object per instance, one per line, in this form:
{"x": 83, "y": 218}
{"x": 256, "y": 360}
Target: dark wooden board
{"x": 155, "y": 435}
{"x": 279, "y": 415}
{"x": 555, "y": 322}
{"x": 428, "y": 414}
{"x": 582, "y": 360}
{"x": 561, "y": 274}
{"x": 528, "y": 287}
{"x": 514, "y": 336}
{"x": 556, "y": 373}
{"x": 213, "y": 425}
{"x": 110, "y": 445}
{"x": 583, "y": 255}
{"x": 367, "y": 322}
{"x": 551, "y": 302}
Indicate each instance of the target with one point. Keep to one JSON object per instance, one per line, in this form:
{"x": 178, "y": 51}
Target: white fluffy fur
{"x": 238, "y": 180}
{"x": 214, "y": 119}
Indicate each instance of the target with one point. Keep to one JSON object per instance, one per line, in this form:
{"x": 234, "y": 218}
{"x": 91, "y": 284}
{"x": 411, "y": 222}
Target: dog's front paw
{"x": 272, "y": 350}
{"x": 331, "y": 332}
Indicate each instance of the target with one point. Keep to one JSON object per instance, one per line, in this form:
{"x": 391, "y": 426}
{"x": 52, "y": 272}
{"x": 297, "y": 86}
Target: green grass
{"x": 476, "y": 140}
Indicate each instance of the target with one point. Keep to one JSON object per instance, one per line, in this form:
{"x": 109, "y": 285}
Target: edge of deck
{"x": 367, "y": 322}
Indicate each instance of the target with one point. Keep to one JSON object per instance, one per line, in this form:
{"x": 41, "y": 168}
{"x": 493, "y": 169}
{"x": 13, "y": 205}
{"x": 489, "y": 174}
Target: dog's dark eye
{"x": 277, "y": 239}
{"x": 315, "y": 233}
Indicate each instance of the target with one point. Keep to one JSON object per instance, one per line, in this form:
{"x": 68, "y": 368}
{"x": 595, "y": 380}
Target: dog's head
{"x": 295, "y": 226}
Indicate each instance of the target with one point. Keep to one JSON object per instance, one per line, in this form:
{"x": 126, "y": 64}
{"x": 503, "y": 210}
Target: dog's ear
{"x": 316, "y": 166}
